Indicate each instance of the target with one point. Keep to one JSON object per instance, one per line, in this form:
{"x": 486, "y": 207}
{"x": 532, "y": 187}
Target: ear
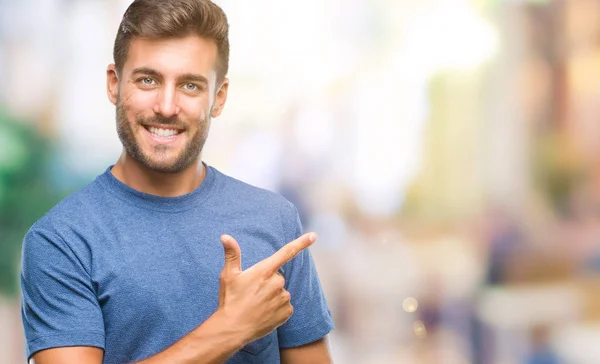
{"x": 112, "y": 83}
{"x": 220, "y": 98}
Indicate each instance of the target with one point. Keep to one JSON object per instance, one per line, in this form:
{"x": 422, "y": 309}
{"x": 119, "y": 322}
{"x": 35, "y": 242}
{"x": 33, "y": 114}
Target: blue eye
{"x": 147, "y": 81}
{"x": 190, "y": 87}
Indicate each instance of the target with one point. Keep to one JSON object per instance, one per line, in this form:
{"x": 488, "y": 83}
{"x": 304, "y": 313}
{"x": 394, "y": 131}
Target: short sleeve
{"x": 58, "y": 304}
{"x": 311, "y": 319}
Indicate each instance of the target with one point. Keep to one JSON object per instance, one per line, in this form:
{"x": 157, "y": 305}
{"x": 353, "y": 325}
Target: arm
{"x": 212, "y": 342}
{"x": 67, "y": 355}
{"x": 313, "y": 353}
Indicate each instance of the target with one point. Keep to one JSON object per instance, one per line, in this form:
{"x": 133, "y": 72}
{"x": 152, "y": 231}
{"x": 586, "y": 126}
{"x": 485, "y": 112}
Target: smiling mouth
{"x": 162, "y": 132}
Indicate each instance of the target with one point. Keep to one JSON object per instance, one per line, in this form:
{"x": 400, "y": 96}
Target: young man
{"x": 145, "y": 263}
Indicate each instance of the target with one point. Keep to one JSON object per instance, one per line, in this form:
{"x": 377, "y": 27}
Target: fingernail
{"x": 312, "y": 237}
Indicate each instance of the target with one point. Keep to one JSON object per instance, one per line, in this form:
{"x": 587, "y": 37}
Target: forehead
{"x": 191, "y": 54}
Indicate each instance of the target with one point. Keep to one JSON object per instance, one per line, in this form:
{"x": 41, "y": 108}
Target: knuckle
{"x": 225, "y": 278}
{"x": 265, "y": 273}
{"x": 290, "y": 310}
{"x": 280, "y": 280}
{"x": 292, "y": 253}
{"x": 286, "y": 296}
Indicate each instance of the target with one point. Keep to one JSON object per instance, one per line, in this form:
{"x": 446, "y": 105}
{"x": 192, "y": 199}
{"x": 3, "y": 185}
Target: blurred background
{"x": 447, "y": 152}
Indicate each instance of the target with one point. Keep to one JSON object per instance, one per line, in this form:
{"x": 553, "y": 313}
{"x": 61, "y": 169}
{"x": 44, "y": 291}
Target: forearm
{"x": 210, "y": 343}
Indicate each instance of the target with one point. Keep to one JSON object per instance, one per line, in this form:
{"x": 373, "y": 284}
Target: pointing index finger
{"x": 288, "y": 252}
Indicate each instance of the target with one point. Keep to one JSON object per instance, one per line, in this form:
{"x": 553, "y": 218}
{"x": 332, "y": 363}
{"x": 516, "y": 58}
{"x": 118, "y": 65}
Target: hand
{"x": 255, "y": 300}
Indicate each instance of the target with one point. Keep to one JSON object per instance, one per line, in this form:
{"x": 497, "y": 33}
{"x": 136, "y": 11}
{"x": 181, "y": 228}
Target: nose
{"x": 166, "y": 102}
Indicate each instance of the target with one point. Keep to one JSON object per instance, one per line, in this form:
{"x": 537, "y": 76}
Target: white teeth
{"x": 163, "y": 133}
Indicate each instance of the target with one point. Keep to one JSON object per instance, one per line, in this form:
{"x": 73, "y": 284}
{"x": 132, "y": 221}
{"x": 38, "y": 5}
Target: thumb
{"x": 233, "y": 255}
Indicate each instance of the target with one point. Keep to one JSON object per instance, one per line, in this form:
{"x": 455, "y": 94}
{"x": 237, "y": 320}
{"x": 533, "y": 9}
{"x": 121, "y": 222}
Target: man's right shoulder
{"x": 73, "y": 209}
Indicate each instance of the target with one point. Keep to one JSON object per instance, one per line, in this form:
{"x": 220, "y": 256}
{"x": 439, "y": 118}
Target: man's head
{"x": 168, "y": 79}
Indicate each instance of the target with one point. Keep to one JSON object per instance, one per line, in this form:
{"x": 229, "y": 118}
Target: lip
{"x": 160, "y": 140}
{"x": 161, "y": 126}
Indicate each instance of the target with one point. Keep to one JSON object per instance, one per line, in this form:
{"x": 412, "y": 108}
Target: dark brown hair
{"x": 159, "y": 19}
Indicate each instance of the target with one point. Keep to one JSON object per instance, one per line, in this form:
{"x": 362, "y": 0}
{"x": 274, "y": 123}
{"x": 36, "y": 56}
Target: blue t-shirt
{"x": 133, "y": 273}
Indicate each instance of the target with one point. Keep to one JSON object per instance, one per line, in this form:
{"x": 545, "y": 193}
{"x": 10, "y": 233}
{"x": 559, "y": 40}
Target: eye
{"x": 190, "y": 87}
{"x": 146, "y": 81}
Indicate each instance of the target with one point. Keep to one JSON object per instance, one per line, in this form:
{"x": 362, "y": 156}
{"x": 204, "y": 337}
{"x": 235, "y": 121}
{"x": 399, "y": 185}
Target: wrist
{"x": 233, "y": 334}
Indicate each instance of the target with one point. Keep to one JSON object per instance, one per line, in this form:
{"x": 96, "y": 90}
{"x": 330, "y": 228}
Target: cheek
{"x": 195, "y": 111}
{"x": 136, "y": 98}
{"x": 137, "y": 105}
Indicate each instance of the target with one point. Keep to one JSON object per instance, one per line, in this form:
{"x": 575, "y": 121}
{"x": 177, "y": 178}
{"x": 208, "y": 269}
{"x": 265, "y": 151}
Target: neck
{"x": 132, "y": 173}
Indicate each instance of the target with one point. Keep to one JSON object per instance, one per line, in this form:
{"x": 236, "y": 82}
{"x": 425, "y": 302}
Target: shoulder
{"x": 240, "y": 192}
{"x": 73, "y": 210}
{"x": 264, "y": 205}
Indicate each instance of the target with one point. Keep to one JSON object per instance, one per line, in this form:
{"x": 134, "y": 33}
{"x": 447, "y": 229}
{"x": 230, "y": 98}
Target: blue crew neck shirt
{"x": 133, "y": 273}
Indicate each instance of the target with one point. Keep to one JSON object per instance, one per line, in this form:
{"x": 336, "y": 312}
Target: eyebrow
{"x": 193, "y": 78}
{"x": 146, "y": 71}
{"x": 185, "y": 77}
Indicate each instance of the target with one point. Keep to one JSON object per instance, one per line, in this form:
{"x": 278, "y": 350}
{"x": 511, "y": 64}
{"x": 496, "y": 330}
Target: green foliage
{"x": 26, "y": 193}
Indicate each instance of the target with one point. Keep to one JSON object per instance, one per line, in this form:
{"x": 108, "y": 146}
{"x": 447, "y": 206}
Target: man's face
{"x": 165, "y": 96}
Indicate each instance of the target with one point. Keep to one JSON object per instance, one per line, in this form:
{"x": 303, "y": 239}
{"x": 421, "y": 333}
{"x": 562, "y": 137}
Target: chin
{"x": 163, "y": 167}
{"x": 171, "y": 165}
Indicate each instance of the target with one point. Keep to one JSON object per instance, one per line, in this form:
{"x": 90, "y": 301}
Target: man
{"x": 130, "y": 268}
